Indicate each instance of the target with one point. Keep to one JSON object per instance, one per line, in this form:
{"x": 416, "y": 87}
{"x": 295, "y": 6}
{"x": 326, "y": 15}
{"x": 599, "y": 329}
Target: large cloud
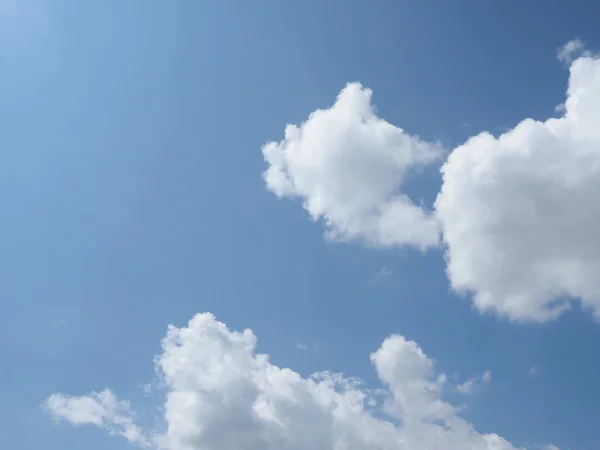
{"x": 347, "y": 165}
{"x": 221, "y": 395}
{"x": 520, "y": 212}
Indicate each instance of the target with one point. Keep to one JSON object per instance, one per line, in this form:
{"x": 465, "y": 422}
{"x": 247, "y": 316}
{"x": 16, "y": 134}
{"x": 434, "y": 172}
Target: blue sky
{"x": 133, "y": 198}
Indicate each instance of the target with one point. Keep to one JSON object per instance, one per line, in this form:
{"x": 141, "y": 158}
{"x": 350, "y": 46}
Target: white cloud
{"x": 520, "y": 212}
{"x": 221, "y": 395}
{"x": 99, "y": 408}
{"x": 347, "y": 165}
{"x": 572, "y": 50}
{"x": 469, "y": 386}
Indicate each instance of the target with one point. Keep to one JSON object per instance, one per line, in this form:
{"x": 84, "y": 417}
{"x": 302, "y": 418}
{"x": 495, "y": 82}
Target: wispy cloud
{"x": 307, "y": 347}
{"x": 469, "y": 386}
{"x": 383, "y": 273}
{"x": 102, "y": 409}
{"x": 572, "y": 50}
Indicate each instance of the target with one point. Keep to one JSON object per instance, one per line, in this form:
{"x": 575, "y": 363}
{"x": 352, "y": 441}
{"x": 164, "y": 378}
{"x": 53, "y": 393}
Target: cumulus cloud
{"x": 469, "y": 386}
{"x": 222, "y": 395}
{"x": 520, "y": 212}
{"x": 102, "y": 409}
{"x": 347, "y": 165}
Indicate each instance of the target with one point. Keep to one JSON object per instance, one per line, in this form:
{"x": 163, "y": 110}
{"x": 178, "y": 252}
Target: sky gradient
{"x": 147, "y": 176}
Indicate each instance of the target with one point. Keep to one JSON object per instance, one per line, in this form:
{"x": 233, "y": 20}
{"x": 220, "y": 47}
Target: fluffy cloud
{"x": 101, "y": 409}
{"x": 520, "y": 212}
{"x": 222, "y": 395}
{"x": 571, "y": 51}
{"x": 347, "y": 165}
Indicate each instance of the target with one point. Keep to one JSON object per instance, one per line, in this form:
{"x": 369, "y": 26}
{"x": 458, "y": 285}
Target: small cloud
{"x": 382, "y": 273}
{"x": 102, "y": 409}
{"x": 533, "y": 371}
{"x": 469, "y": 386}
{"x": 466, "y": 387}
{"x": 307, "y": 347}
{"x": 572, "y": 50}
{"x": 147, "y": 388}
